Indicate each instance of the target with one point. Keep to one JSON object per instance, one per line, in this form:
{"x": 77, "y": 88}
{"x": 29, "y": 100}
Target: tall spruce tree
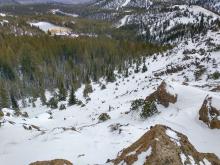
{"x": 43, "y": 97}
{"x": 4, "y": 98}
{"x": 72, "y": 98}
{"x": 14, "y": 103}
{"x": 62, "y": 92}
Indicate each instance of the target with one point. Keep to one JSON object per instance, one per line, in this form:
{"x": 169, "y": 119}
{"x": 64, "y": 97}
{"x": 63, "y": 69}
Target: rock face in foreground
{"x": 209, "y": 114}
{"x": 53, "y": 162}
{"x": 163, "y": 95}
{"x": 163, "y": 146}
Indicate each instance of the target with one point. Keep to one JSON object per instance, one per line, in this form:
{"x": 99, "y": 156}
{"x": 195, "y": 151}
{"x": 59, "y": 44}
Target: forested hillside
{"x": 31, "y": 65}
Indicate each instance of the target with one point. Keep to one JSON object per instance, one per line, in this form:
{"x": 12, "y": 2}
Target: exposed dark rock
{"x": 53, "y": 162}
{"x": 161, "y": 145}
{"x": 162, "y": 96}
{"x": 209, "y": 114}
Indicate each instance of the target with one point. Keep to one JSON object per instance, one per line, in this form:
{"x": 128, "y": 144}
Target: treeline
{"x": 31, "y": 65}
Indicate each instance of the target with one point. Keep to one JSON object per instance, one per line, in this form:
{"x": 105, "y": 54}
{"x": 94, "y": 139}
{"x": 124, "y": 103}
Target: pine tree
{"x": 62, "y": 92}
{"x": 126, "y": 73}
{"x": 14, "y": 103}
{"x": 110, "y": 74}
{"x": 72, "y": 98}
{"x": 43, "y": 97}
{"x": 88, "y": 89}
{"x": 4, "y": 98}
{"x": 53, "y": 103}
{"x": 24, "y": 103}
{"x": 0, "y": 105}
{"x": 136, "y": 68}
{"x": 144, "y": 69}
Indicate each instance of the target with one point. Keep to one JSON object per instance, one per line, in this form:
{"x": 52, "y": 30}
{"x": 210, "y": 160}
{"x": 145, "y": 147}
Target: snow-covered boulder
{"x": 162, "y": 145}
{"x": 209, "y": 114}
{"x": 53, "y": 162}
{"x": 163, "y": 95}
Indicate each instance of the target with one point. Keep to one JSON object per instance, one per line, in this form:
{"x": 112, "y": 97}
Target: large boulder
{"x": 53, "y": 162}
{"x": 161, "y": 145}
{"x": 163, "y": 95}
{"x": 209, "y": 114}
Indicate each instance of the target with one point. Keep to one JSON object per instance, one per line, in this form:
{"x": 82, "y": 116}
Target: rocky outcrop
{"x": 163, "y": 95}
{"x": 209, "y": 114}
{"x": 161, "y": 145}
{"x": 53, "y": 162}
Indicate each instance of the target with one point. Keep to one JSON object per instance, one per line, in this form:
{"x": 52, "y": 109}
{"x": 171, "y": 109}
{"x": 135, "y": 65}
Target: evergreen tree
{"x": 136, "y": 68}
{"x": 62, "y": 92}
{"x": 4, "y": 98}
{"x": 24, "y": 103}
{"x": 110, "y": 74}
{"x": 88, "y": 89}
{"x": 72, "y": 98}
{"x": 144, "y": 69}
{"x": 53, "y": 103}
{"x": 43, "y": 97}
{"x": 0, "y": 105}
{"x": 14, "y": 103}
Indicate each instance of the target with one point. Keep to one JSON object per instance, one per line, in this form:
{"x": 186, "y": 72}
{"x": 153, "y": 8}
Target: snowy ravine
{"x": 75, "y": 133}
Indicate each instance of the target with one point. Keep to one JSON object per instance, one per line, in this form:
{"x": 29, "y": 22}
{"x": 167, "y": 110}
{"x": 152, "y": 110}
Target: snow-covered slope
{"x": 144, "y": 4}
{"x": 157, "y": 20}
{"x": 162, "y": 25}
{"x": 76, "y": 133}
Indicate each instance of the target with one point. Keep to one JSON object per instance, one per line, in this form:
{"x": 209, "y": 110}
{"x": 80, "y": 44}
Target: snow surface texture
{"x": 2, "y": 14}
{"x": 46, "y": 26}
{"x": 166, "y": 21}
{"x": 76, "y": 134}
{"x": 118, "y": 4}
{"x": 58, "y": 30}
{"x": 142, "y": 157}
{"x": 58, "y": 11}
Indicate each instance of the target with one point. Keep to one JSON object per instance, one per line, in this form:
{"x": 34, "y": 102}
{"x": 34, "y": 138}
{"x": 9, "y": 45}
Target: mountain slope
{"x": 108, "y": 116}
{"x": 117, "y": 4}
{"x": 77, "y": 133}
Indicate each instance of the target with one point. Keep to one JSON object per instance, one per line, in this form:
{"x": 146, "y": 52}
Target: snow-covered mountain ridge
{"x": 146, "y": 4}
{"x": 159, "y": 21}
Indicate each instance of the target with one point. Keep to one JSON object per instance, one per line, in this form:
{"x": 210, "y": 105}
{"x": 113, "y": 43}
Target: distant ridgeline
{"x": 31, "y": 65}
